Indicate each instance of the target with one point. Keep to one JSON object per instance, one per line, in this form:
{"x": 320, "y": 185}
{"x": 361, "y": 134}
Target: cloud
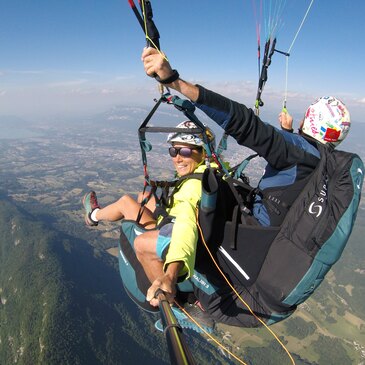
{"x": 30, "y": 72}
{"x": 107, "y": 91}
{"x": 91, "y": 91}
{"x": 67, "y": 83}
{"x": 79, "y": 91}
{"x": 361, "y": 101}
{"x": 118, "y": 117}
{"x": 126, "y": 77}
{"x": 2, "y": 92}
{"x": 21, "y": 72}
{"x": 87, "y": 72}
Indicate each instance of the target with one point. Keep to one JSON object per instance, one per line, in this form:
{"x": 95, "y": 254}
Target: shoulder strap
{"x": 165, "y": 200}
{"x": 238, "y": 170}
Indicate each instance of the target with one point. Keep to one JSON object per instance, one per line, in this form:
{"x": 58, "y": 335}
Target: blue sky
{"x": 75, "y": 56}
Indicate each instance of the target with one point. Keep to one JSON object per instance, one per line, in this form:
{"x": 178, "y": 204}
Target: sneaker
{"x": 204, "y": 320}
{"x": 90, "y": 203}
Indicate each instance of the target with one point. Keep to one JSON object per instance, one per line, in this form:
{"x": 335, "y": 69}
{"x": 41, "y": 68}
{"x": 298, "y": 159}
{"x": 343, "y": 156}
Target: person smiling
{"x": 167, "y": 249}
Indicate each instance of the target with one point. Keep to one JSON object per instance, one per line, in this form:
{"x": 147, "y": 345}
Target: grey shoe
{"x": 90, "y": 203}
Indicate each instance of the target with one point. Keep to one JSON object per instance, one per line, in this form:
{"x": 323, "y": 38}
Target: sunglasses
{"x": 182, "y": 151}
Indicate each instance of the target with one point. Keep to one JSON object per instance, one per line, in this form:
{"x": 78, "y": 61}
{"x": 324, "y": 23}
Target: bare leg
{"x": 145, "y": 247}
{"x": 126, "y": 207}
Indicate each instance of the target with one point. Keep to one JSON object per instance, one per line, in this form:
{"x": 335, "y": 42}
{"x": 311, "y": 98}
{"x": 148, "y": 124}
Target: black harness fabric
{"x": 273, "y": 262}
{"x": 232, "y": 235}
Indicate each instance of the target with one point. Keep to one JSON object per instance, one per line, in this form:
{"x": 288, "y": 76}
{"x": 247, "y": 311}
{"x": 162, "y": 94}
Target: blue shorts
{"x": 163, "y": 240}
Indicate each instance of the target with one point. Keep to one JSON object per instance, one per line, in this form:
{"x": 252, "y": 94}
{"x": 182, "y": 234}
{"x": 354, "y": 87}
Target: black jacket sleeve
{"x": 249, "y": 130}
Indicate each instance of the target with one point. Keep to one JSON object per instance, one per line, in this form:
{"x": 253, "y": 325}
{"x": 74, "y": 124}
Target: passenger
{"x": 167, "y": 252}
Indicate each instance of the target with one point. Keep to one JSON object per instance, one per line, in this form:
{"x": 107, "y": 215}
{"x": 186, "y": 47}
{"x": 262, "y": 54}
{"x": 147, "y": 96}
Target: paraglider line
{"x": 300, "y": 26}
{"x": 289, "y": 50}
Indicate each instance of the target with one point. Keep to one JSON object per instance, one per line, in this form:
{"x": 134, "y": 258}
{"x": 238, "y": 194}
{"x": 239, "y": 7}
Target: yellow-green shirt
{"x": 184, "y": 235}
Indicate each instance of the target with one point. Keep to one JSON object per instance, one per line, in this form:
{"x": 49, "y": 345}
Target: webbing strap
{"x": 144, "y": 144}
{"x": 269, "y": 52}
{"x": 233, "y": 231}
{"x": 239, "y": 168}
{"x": 144, "y": 202}
{"x": 222, "y": 144}
{"x": 163, "y": 200}
{"x": 231, "y": 183}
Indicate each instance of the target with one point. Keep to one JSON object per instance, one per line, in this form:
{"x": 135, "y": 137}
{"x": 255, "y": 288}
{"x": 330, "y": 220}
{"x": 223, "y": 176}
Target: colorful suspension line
{"x": 271, "y": 11}
{"x": 258, "y": 33}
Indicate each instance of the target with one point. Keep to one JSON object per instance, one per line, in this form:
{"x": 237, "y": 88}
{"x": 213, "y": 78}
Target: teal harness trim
{"x": 333, "y": 248}
{"x": 200, "y": 281}
{"x": 239, "y": 169}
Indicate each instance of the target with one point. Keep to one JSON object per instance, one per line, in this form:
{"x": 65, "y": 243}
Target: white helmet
{"x": 193, "y": 139}
{"x": 327, "y": 120}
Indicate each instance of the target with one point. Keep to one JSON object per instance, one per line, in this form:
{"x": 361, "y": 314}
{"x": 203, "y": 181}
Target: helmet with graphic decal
{"x": 327, "y": 120}
{"x": 193, "y": 139}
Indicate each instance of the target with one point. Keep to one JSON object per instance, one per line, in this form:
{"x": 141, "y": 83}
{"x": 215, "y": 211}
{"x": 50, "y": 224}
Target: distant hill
{"x": 13, "y": 121}
{"x": 354, "y": 142}
{"x": 13, "y": 127}
{"x": 62, "y": 305}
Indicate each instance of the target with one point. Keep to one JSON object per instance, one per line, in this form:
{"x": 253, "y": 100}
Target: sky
{"x": 74, "y": 57}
